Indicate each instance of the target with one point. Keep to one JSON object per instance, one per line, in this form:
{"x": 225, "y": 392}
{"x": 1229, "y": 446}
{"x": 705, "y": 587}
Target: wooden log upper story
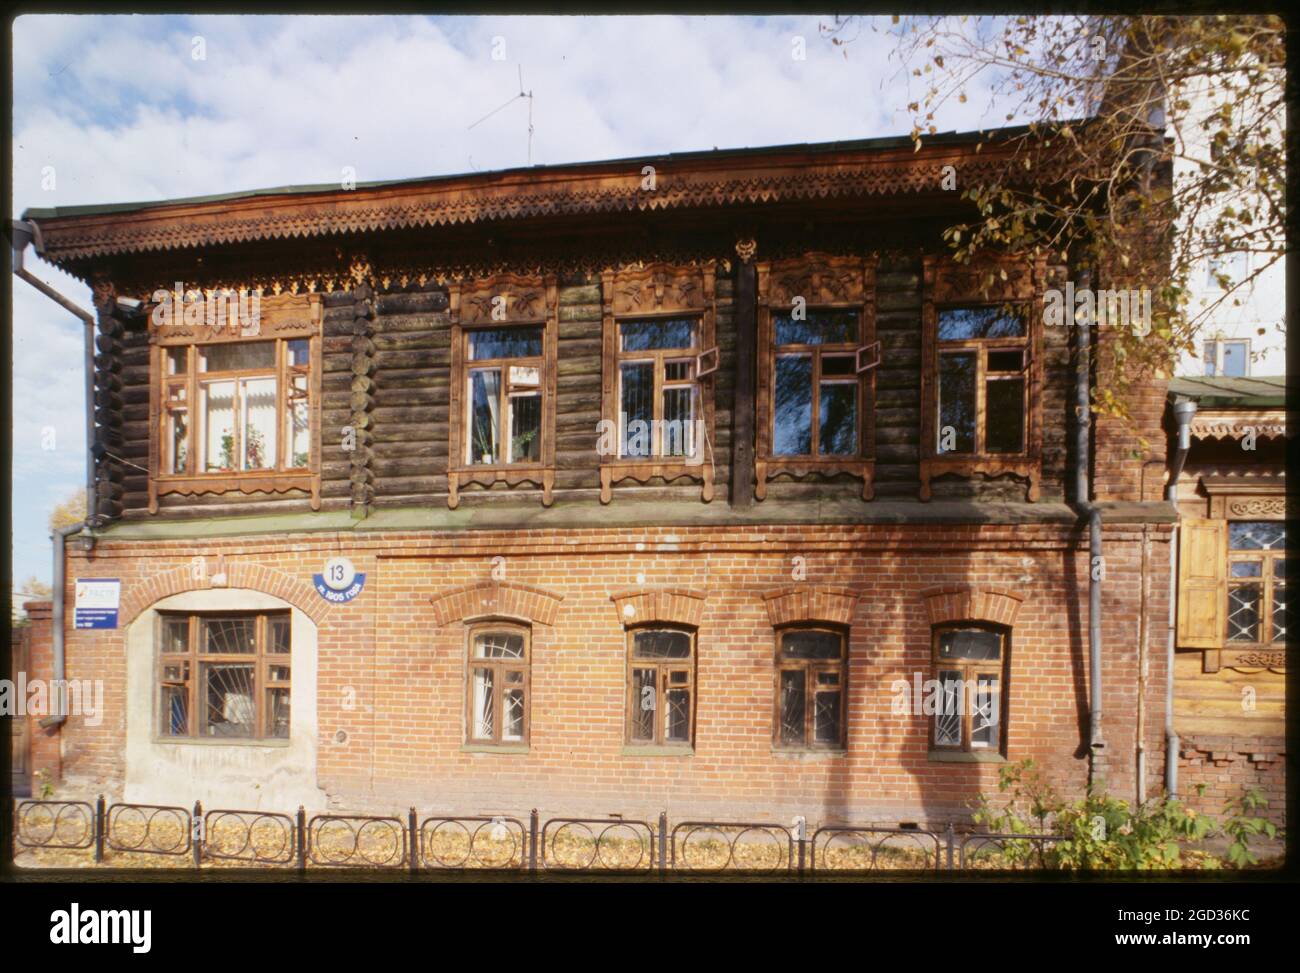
{"x": 733, "y": 328}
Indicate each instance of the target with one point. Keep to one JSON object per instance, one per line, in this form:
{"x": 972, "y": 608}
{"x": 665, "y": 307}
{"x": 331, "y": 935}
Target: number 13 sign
{"x": 339, "y": 582}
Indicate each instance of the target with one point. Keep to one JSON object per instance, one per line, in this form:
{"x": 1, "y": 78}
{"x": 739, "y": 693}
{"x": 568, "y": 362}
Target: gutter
{"x": 1184, "y": 412}
{"x": 1083, "y": 504}
{"x": 25, "y": 232}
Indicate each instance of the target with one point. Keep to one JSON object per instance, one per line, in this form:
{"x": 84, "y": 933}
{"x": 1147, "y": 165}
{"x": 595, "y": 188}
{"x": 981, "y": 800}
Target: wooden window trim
{"x": 947, "y": 284}
{"x": 527, "y": 302}
{"x": 498, "y": 666}
{"x": 658, "y": 291}
{"x": 661, "y": 667}
{"x": 826, "y": 283}
{"x": 262, "y": 659}
{"x": 811, "y": 667}
{"x": 283, "y": 319}
{"x": 970, "y": 671}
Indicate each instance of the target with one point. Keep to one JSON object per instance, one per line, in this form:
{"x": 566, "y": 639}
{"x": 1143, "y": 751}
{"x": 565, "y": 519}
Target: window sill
{"x": 278, "y": 742}
{"x": 810, "y": 753}
{"x": 966, "y": 757}
{"x": 657, "y": 751}
{"x": 494, "y": 748}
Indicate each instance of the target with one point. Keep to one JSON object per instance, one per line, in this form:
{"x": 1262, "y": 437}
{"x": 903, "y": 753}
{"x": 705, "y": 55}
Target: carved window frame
{"x": 1229, "y": 503}
{"x": 662, "y": 291}
{"x": 826, "y": 283}
{"x": 503, "y": 301}
{"x": 946, "y": 284}
{"x": 282, "y": 319}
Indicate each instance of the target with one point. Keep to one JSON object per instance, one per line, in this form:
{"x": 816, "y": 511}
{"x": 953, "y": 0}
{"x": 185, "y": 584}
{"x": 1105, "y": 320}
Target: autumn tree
{"x": 1158, "y": 142}
{"x": 70, "y": 511}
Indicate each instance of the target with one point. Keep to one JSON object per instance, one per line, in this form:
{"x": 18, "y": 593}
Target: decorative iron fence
{"x": 514, "y": 844}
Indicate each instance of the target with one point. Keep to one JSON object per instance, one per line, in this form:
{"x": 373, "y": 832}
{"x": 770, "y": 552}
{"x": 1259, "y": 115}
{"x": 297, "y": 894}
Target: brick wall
{"x": 45, "y": 749}
{"x": 1216, "y": 769}
{"x": 391, "y": 686}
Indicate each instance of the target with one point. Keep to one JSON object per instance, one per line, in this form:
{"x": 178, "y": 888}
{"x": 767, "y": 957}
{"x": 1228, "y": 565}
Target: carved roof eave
{"x": 1236, "y": 423}
{"x": 530, "y": 194}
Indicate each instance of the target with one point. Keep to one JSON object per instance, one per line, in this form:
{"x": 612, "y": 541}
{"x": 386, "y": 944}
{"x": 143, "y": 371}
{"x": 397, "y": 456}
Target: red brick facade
{"x": 391, "y": 684}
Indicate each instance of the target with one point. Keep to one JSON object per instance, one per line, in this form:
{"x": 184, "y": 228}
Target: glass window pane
{"x": 661, "y": 645}
{"x": 668, "y": 333}
{"x": 176, "y": 362}
{"x": 1234, "y": 359}
{"x": 277, "y": 713}
{"x": 679, "y": 371}
{"x": 1006, "y": 361}
{"x": 298, "y": 352}
{"x": 986, "y": 716}
{"x": 637, "y": 407}
{"x": 967, "y": 323}
{"x": 227, "y": 694}
{"x": 970, "y": 643}
{"x": 826, "y": 717}
{"x": 217, "y": 401}
{"x": 512, "y": 727}
{"x": 297, "y": 423}
{"x": 839, "y": 417}
{"x": 1210, "y": 353}
{"x": 1243, "y": 613}
{"x": 175, "y": 634}
{"x": 948, "y": 719}
{"x": 1256, "y": 535}
{"x": 678, "y": 428}
{"x": 175, "y": 710}
{"x": 817, "y": 328}
{"x": 643, "y": 704}
{"x": 526, "y": 428}
{"x": 792, "y": 435}
{"x": 792, "y": 703}
{"x": 1279, "y": 613}
{"x": 237, "y": 634}
{"x": 484, "y": 415}
{"x": 178, "y": 439}
{"x": 677, "y": 720}
{"x": 237, "y": 356}
{"x": 1004, "y": 405}
{"x": 1247, "y": 569}
{"x": 505, "y": 343}
{"x": 957, "y": 403}
{"x": 482, "y": 705}
{"x": 811, "y": 645}
{"x": 498, "y": 645}
{"x": 277, "y": 630}
{"x": 258, "y": 414}
{"x": 838, "y": 366}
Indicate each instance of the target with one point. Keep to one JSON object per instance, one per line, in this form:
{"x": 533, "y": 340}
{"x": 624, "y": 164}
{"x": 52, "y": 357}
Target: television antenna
{"x": 522, "y": 94}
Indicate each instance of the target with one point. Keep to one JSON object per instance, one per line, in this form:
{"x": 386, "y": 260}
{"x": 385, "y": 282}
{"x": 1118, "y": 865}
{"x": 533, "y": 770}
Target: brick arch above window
{"x": 485, "y": 599}
{"x": 972, "y": 603}
{"x": 238, "y": 574}
{"x": 794, "y": 604}
{"x": 677, "y": 606}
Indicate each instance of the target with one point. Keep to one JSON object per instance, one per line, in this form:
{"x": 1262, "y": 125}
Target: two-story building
{"x": 704, "y": 483}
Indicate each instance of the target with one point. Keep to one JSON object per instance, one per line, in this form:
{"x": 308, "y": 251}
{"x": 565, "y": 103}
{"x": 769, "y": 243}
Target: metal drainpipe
{"x": 59, "y": 716}
{"x": 1184, "y": 411}
{"x": 1082, "y": 493}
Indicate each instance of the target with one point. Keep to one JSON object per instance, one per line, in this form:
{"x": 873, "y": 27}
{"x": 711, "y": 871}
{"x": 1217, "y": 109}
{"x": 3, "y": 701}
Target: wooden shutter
{"x": 1202, "y": 583}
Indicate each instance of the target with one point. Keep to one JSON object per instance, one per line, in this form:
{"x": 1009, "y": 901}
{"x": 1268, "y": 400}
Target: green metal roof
{"x": 883, "y": 142}
{"x": 1219, "y": 392}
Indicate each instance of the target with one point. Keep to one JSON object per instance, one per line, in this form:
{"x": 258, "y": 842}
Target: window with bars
{"x": 811, "y": 688}
{"x": 982, "y": 381}
{"x": 236, "y": 407}
{"x": 658, "y": 390}
{"x": 498, "y": 684}
{"x": 503, "y": 389}
{"x": 816, "y": 389}
{"x": 1257, "y": 613}
{"x": 969, "y": 665}
{"x": 224, "y": 675}
{"x": 660, "y": 687}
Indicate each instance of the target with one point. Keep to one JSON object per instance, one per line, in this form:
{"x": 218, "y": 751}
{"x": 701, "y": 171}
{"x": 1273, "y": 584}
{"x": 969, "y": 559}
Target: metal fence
{"x": 440, "y": 843}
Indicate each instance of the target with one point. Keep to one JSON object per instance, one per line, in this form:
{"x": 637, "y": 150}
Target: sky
{"x": 121, "y": 108}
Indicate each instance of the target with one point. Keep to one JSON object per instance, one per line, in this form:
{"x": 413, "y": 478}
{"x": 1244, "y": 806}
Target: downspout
{"x": 25, "y": 232}
{"x": 1082, "y": 503}
{"x": 1184, "y": 411}
{"x": 59, "y": 714}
